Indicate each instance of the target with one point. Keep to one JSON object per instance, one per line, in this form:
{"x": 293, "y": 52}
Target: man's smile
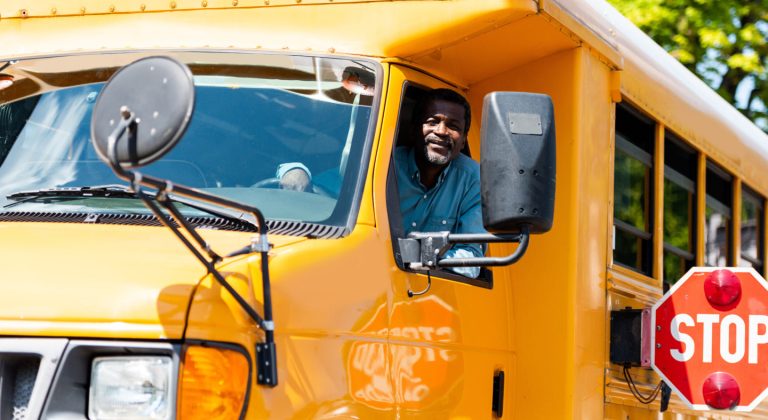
{"x": 439, "y": 144}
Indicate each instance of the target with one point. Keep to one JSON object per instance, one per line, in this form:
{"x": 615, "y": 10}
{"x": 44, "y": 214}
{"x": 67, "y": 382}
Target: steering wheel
{"x": 275, "y": 184}
{"x": 267, "y": 183}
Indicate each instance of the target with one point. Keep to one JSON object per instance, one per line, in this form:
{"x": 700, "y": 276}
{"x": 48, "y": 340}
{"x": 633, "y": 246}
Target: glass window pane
{"x": 716, "y": 235}
{"x": 635, "y": 127}
{"x": 632, "y": 251}
{"x": 630, "y": 190}
{"x": 674, "y": 267}
{"x": 678, "y": 216}
{"x": 751, "y": 229}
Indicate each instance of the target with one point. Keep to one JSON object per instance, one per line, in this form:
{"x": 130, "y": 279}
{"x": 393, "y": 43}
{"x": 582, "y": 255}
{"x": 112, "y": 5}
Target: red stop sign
{"x": 710, "y": 338}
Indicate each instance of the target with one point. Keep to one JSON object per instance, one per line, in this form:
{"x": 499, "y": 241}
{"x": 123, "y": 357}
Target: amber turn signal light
{"x": 214, "y": 383}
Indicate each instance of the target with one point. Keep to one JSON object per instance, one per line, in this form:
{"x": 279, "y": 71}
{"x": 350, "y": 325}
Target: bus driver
{"x": 439, "y": 186}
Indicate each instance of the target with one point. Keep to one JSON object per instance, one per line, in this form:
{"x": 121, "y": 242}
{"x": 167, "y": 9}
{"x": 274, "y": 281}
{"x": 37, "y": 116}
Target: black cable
{"x": 411, "y": 293}
{"x": 636, "y": 392}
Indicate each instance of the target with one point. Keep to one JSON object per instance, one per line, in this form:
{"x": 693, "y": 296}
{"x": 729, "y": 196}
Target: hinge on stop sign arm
{"x": 630, "y": 346}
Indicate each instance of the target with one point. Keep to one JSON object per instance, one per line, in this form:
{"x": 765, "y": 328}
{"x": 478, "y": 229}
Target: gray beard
{"x": 436, "y": 159}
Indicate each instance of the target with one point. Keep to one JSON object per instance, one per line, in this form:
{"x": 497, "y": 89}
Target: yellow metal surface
{"x": 25, "y": 9}
{"x": 557, "y": 309}
{"x": 350, "y": 342}
{"x": 658, "y": 197}
{"x": 352, "y": 28}
{"x": 81, "y": 280}
{"x": 443, "y": 350}
{"x": 736, "y": 222}
{"x": 701, "y": 205}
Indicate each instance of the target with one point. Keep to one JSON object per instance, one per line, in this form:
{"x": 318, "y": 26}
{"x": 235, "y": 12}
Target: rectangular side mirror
{"x": 517, "y": 167}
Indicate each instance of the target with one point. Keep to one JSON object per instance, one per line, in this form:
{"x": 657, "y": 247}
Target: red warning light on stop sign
{"x": 710, "y": 338}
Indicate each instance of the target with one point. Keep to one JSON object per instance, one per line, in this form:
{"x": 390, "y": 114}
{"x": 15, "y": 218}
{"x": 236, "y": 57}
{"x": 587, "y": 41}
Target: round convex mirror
{"x": 161, "y": 94}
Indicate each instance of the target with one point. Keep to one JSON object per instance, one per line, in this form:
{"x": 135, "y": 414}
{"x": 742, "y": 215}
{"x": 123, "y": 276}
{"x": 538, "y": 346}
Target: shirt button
{"x": 413, "y": 224}
{"x": 444, "y": 222}
{"x": 425, "y": 196}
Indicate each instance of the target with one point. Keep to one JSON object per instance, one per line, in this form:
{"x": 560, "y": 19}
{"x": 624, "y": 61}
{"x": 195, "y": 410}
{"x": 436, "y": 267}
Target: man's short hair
{"x": 447, "y": 95}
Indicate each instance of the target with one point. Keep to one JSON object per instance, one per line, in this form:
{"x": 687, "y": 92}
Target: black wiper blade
{"x": 122, "y": 191}
{"x": 116, "y": 190}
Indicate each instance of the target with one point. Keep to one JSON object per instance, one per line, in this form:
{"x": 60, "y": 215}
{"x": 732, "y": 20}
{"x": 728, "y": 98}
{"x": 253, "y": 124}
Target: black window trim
{"x": 628, "y": 148}
{"x": 680, "y": 179}
{"x": 719, "y": 207}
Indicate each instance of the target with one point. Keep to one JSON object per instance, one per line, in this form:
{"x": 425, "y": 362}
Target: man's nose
{"x": 441, "y": 128}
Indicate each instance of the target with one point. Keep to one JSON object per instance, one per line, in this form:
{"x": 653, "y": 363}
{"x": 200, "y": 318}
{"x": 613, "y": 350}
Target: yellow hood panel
{"x": 82, "y": 280}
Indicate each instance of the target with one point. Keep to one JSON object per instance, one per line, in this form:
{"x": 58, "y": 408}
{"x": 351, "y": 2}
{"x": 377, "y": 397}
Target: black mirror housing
{"x": 517, "y": 166}
{"x": 152, "y": 99}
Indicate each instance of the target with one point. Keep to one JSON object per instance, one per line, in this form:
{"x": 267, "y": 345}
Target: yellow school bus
{"x": 105, "y": 313}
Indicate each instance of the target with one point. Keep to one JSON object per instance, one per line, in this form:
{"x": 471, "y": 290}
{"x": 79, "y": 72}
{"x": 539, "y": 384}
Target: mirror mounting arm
{"x": 266, "y": 352}
{"x": 422, "y": 250}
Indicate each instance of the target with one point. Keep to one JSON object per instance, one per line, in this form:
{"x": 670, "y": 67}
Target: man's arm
{"x": 470, "y": 221}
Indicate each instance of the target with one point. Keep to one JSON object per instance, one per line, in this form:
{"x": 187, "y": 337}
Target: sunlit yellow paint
{"x": 350, "y": 342}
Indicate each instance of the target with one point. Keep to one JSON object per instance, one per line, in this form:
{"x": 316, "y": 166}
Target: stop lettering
{"x": 710, "y": 338}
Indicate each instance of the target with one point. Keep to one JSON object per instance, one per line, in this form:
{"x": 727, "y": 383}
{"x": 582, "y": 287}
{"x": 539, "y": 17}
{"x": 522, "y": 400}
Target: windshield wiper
{"x": 116, "y": 190}
{"x": 122, "y": 191}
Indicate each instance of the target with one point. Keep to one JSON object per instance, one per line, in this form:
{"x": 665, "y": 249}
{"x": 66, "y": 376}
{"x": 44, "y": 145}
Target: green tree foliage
{"x": 725, "y": 42}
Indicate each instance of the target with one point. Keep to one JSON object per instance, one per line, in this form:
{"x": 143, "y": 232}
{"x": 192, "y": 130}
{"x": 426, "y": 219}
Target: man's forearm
{"x": 465, "y": 251}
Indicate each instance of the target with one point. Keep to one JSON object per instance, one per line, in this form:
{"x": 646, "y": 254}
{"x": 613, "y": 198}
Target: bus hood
{"x": 108, "y": 281}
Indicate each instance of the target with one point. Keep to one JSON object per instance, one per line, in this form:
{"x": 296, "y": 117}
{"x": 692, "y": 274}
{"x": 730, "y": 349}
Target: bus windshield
{"x": 286, "y": 134}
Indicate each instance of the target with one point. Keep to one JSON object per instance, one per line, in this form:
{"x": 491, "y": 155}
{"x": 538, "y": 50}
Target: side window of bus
{"x": 752, "y": 228}
{"x": 409, "y": 127}
{"x": 633, "y": 190}
{"x": 683, "y": 171}
{"x": 680, "y": 169}
{"x": 717, "y": 217}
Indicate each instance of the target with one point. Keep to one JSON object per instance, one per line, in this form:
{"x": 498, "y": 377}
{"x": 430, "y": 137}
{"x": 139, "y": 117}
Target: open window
{"x": 407, "y": 131}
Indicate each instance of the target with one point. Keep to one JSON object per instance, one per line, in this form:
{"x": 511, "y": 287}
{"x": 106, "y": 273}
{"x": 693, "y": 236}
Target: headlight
{"x": 125, "y": 388}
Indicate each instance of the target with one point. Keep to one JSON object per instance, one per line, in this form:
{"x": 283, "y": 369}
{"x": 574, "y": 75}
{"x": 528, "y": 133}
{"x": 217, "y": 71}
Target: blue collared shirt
{"x": 453, "y": 204}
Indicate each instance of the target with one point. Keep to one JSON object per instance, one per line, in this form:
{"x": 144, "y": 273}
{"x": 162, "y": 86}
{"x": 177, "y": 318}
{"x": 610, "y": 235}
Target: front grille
{"x": 27, "y": 366}
{"x": 17, "y": 374}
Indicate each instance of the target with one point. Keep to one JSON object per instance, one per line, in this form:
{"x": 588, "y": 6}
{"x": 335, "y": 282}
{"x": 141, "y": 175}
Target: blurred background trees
{"x": 724, "y": 42}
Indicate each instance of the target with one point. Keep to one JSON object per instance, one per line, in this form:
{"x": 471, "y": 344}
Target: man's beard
{"x": 435, "y": 158}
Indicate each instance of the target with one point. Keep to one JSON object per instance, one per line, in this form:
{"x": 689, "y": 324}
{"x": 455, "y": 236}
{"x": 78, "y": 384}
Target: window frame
{"x": 711, "y": 202}
{"x": 627, "y": 147}
{"x": 681, "y": 180}
{"x": 397, "y": 229}
{"x": 748, "y": 193}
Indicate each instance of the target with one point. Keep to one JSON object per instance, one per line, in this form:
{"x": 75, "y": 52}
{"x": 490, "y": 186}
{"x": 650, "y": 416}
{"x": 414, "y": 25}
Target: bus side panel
{"x": 557, "y": 291}
{"x": 445, "y": 345}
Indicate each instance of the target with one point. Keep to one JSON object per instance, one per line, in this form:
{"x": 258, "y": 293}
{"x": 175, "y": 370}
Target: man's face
{"x": 443, "y": 131}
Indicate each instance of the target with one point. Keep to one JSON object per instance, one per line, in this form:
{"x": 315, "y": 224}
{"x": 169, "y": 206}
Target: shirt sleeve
{"x": 470, "y": 221}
